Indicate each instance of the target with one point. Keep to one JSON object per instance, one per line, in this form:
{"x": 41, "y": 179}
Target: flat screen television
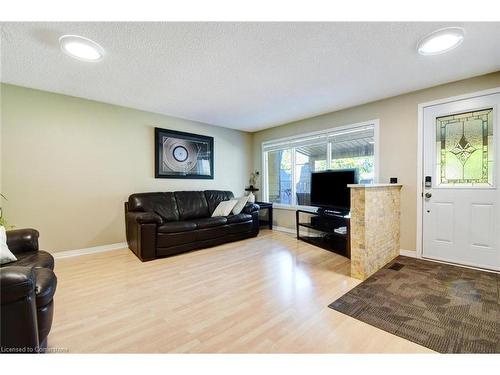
{"x": 329, "y": 189}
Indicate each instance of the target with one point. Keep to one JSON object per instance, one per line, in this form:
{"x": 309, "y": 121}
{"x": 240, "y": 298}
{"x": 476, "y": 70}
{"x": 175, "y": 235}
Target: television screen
{"x": 329, "y": 188}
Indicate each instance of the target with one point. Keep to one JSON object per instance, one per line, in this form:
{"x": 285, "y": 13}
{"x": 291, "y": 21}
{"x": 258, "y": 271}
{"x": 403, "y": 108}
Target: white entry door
{"x": 461, "y": 173}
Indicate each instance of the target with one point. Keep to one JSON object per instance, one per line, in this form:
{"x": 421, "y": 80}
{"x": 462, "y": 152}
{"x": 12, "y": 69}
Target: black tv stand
{"x": 324, "y": 222}
{"x": 330, "y": 212}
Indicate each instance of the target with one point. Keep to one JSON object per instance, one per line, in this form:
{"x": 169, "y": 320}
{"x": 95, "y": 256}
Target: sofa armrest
{"x": 141, "y": 230}
{"x": 19, "y": 326}
{"x": 22, "y": 240}
{"x": 251, "y": 207}
{"x": 145, "y": 217}
{"x": 16, "y": 283}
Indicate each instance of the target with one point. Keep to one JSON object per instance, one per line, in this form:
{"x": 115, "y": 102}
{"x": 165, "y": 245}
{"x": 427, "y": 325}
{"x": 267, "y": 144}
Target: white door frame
{"x": 420, "y": 154}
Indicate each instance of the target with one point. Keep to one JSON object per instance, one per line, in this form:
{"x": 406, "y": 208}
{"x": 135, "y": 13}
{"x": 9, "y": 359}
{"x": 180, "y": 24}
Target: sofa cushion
{"x": 45, "y": 286}
{"x": 175, "y": 239}
{"x": 241, "y": 227}
{"x": 6, "y": 255}
{"x": 22, "y": 240}
{"x": 34, "y": 259}
{"x": 214, "y": 197}
{"x": 242, "y": 201}
{"x": 210, "y": 233}
{"x": 191, "y": 204}
{"x": 176, "y": 227}
{"x": 224, "y": 208}
{"x": 232, "y": 219}
{"x": 210, "y": 222}
{"x": 164, "y": 204}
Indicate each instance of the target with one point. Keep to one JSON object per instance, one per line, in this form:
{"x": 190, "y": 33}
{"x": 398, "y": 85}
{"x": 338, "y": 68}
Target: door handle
{"x": 428, "y": 195}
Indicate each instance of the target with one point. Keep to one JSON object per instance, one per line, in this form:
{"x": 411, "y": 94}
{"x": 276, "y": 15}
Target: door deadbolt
{"x": 428, "y": 181}
{"x": 428, "y": 195}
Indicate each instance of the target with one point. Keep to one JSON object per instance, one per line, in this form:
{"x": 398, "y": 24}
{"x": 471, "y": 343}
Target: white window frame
{"x": 265, "y": 188}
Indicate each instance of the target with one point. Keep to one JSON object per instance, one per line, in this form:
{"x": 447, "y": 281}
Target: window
{"x": 308, "y": 159}
{"x": 464, "y": 148}
{"x": 355, "y": 149}
{"x": 280, "y": 176}
{"x": 288, "y": 164}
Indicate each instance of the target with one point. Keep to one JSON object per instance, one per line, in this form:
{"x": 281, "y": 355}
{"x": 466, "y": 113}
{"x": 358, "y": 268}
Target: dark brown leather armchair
{"x": 27, "y": 289}
{"x": 163, "y": 224}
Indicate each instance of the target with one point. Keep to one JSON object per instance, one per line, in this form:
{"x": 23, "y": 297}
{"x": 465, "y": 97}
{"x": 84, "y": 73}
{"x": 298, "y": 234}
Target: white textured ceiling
{"x": 247, "y": 76}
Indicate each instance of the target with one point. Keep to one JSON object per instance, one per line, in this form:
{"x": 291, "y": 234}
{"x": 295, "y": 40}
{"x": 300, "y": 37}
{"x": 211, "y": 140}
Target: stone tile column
{"x": 375, "y": 228}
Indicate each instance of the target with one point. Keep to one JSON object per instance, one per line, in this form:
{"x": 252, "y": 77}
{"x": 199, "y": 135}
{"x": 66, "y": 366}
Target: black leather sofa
{"x": 27, "y": 290}
{"x": 163, "y": 224}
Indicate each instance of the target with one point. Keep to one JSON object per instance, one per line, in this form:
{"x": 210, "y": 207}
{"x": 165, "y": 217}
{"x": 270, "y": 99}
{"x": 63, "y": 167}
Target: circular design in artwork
{"x": 179, "y": 155}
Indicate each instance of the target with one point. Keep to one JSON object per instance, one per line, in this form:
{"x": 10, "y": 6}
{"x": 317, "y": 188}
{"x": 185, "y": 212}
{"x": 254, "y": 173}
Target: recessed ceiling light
{"x": 81, "y": 48}
{"x": 441, "y": 41}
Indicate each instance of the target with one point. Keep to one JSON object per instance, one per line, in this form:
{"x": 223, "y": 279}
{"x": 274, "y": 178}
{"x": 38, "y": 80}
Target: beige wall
{"x": 68, "y": 164}
{"x": 398, "y": 141}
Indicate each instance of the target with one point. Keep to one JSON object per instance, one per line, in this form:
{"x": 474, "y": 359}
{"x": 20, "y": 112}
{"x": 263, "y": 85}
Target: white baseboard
{"x": 408, "y": 253}
{"x": 89, "y": 250}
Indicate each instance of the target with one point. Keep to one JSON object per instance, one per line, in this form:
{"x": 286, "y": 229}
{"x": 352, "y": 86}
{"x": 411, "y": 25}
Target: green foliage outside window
{"x": 363, "y": 163}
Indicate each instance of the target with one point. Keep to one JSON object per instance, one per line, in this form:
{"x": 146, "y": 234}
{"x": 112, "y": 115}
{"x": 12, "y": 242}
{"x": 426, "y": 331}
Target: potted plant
{"x": 254, "y": 178}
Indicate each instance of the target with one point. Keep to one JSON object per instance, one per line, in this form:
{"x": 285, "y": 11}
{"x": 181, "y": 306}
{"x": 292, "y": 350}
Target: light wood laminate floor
{"x": 262, "y": 295}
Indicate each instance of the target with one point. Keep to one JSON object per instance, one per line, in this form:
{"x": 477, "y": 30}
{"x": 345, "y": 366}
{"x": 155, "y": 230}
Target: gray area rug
{"x": 445, "y": 308}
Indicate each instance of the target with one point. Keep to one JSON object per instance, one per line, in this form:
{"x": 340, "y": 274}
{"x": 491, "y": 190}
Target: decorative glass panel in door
{"x": 464, "y": 145}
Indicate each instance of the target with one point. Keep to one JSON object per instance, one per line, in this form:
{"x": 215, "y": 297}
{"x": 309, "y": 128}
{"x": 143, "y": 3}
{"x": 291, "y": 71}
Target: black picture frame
{"x": 183, "y": 155}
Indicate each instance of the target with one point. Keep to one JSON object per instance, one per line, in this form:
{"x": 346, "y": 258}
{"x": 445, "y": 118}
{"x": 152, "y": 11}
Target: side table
{"x": 269, "y": 207}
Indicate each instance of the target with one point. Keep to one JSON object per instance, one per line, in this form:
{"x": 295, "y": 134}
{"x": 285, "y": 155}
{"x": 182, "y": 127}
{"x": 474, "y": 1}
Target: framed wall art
{"x": 183, "y": 155}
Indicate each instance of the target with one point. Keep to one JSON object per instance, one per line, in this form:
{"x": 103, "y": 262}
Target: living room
{"x": 249, "y": 187}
